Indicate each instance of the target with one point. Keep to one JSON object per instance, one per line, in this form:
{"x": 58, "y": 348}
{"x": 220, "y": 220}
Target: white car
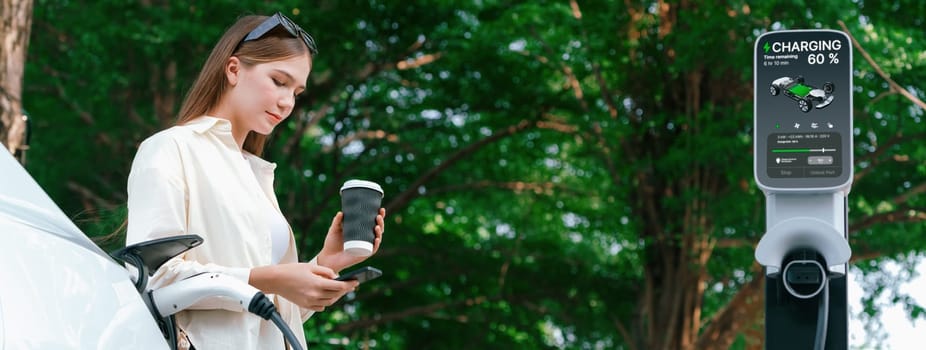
{"x": 807, "y": 96}
{"x": 58, "y": 290}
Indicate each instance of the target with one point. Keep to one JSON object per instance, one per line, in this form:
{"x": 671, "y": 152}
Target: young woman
{"x": 204, "y": 176}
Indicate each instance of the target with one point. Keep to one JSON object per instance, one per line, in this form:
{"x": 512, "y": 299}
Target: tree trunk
{"x": 15, "y": 22}
{"x": 676, "y": 260}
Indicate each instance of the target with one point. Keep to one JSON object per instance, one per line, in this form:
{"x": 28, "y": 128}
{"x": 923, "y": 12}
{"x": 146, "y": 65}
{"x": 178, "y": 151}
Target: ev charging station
{"x": 803, "y": 163}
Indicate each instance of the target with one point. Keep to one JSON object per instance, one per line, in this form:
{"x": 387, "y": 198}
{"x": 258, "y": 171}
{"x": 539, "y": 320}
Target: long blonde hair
{"x": 211, "y": 83}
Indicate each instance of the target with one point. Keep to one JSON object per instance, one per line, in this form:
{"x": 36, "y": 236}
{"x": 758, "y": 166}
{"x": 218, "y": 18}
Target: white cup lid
{"x": 362, "y": 183}
{"x": 358, "y": 248}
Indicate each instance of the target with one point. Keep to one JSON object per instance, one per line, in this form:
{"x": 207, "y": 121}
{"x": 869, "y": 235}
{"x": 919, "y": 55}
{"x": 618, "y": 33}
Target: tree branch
{"x": 894, "y": 86}
{"x": 63, "y": 95}
{"x": 739, "y": 313}
{"x": 628, "y": 338}
{"x": 514, "y": 186}
{"x": 89, "y": 196}
{"x": 414, "y": 311}
{"x": 603, "y": 88}
{"x": 412, "y": 191}
{"x": 874, "y": 157}
{"x": 418, "y": 61}
{"x": 905, "y": 214}
{"x": 571, "y": 78}
{"x": 903, "y": 198}
{"x": 734, "y": 243}
{"x": 363, "y": 134}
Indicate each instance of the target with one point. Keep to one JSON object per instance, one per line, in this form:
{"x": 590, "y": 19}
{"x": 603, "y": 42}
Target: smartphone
{"x": 362, "y": 274}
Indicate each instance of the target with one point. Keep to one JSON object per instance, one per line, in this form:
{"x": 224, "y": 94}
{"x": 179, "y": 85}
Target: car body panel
{"x": 23, "y": 199}
{"x": 57, "y": 295}
{"x": 59, "y": 290}
{"x": 781, "y": 82}
{"x": 824, "y": 101}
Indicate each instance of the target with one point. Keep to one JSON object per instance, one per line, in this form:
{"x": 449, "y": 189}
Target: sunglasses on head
{"x": 278, "y": 19}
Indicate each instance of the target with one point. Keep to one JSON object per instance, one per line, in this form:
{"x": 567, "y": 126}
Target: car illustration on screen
{"x": 807, "y": 97}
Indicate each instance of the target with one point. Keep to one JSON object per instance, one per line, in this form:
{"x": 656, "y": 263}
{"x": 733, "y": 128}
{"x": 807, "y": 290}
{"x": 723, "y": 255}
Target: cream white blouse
{"x": 190, "y": 179}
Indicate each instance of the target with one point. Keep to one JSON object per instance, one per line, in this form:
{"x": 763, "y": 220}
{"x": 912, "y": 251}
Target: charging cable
{"x": 225, "y": 293}
{"x": 823, "y": 313}
{"x": 262, "y": 306}
{"x": 806, "y": 279}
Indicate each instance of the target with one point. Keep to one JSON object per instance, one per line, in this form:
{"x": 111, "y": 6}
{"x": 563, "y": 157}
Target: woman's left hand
{"x": 333, "y": 255}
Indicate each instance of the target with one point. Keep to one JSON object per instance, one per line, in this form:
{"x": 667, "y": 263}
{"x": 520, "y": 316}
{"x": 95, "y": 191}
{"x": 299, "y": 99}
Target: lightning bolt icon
{"x": 766, "y": 47}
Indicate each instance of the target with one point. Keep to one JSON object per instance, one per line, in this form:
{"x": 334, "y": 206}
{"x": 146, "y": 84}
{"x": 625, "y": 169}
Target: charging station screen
{"x": 803, "y": 109}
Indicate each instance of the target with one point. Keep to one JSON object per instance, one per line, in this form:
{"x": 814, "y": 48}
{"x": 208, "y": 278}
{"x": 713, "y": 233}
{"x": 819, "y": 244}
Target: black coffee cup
{"x": 360, "y": 202}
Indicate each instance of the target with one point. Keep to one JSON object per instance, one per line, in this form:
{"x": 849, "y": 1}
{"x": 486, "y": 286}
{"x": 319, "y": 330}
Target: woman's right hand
{"x": 308, "y": 285}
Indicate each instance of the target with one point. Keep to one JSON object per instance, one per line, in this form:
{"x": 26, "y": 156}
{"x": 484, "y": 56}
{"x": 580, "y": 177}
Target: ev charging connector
{"x": 803, "y": 164}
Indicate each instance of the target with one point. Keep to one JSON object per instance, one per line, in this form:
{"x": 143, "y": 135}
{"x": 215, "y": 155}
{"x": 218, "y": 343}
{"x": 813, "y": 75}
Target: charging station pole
{"x": 804, "y": 165}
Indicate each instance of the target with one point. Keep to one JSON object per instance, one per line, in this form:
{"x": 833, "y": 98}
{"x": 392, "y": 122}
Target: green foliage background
{"x": 513, "y": 198}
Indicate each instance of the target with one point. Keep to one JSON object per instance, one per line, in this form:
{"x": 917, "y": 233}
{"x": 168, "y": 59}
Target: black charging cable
{"x": 806, "y": 277}
{"x": 823, "y": 313}
{"x": 262, "y": 306}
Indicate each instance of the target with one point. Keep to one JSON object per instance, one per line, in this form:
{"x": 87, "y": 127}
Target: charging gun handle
{"x": 226, "y": 293}
{"x": 230, "y": 294}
